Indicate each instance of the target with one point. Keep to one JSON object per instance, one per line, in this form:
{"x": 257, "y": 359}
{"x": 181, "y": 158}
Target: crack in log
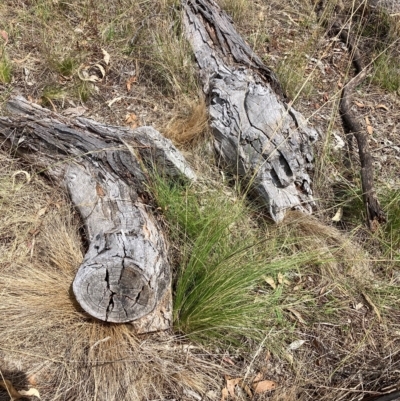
{"x": 110, "y": 306}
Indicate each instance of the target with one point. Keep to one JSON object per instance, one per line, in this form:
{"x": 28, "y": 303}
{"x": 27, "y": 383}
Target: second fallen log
{"x": 257, "y": 134}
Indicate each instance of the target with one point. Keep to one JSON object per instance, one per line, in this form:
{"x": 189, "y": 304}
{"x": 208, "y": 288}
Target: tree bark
{"x": 257, "y": 134}
{"x": 125, "y": 275}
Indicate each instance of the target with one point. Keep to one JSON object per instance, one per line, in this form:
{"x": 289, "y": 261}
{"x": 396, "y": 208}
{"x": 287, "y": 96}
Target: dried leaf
{"x": 230, "y": 385}
{"x": 263, "y": 386}
{"x": 99, "y": 190}
{"x": 111, "y": 102}
{"x": 93, "y": 78}
{"x": 258, "y": 377}
{"x": 360, "y": 105}
{"x": 41, "y": 212}
{"x": 129, "y": 82}
{"x": 369, "y": 126}
{"x": 32, "y": 392}
{"x": 84, "y": 76}
{"x": 248, "y": 391}
{"x": 270, "y": 281}
{"x": 297, "y": 315}
{"x": 228, "y": 360}
{"x": 280, "y": 278}
{"x": 373, "y": 306}
{"x": 224, "y": 394}
{"x": 338, "y": 216}
{"x": 4, "y": 35}
{"x": 27, "y": 175}
{"x": 102, "y": 70}
{"x": 32, "y": 380}
{"x": 359, "y": 306}
{"x": 106, "y": 57}
{"x": 382, "y": 106}
{"x": 7, "y": 385}
{"x": 339, "y": 142}
{"x": 132, "y": 120}
{"x": 289, "y": 356}
{"x": 296, "y": 345}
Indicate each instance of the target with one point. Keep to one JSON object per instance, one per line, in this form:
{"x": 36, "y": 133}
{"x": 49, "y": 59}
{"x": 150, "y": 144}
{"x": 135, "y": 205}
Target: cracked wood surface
{"x": 125, "y": 275}
{"x": 257, "y": 135}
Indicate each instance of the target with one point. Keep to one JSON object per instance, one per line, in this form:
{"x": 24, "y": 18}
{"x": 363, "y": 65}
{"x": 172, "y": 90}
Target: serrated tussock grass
{"x": 220, "y": 290}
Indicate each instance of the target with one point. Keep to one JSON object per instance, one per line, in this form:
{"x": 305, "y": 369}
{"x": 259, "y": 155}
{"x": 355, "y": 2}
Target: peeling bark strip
{"x": 351, "y": 126}
{"x": 257, "y": 134}
{"x": 125, "y": 275}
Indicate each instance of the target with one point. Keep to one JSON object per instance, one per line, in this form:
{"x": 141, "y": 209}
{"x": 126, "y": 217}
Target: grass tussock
{"x": 64, "y": 352}
{"x": 342, "y": 256}
{"x": 51, "y": 94}
{"x": 221, "y": 288}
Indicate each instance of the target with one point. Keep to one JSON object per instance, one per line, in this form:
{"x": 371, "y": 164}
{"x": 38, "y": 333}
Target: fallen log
{"x": 257, "y": 134}
{"x": 125, "y": 275}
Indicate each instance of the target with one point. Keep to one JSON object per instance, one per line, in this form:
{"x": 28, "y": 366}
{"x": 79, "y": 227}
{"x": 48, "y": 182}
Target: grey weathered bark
{"x": 125, "y": 275}
{"x": 257, "y": 134}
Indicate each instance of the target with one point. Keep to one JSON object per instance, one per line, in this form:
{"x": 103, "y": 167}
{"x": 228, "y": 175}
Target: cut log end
{"x": 117, "y": 294}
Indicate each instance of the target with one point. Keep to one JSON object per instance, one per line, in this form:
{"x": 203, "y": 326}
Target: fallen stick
{"x": 351, "y": 126}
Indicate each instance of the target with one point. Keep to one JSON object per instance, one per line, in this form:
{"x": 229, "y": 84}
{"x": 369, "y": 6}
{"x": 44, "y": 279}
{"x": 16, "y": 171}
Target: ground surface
{"x": 332, "y": 334}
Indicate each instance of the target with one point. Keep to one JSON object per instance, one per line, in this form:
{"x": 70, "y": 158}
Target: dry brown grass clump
{"x": 343, "y": 257}
{"x": 47, "y": 342}
{"x": 190, "y": 127}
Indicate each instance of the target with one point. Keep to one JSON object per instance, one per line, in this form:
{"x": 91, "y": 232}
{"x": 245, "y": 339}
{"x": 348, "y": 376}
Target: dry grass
{"x": 344, "y": 257}
{"x": 189, "y": 128}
